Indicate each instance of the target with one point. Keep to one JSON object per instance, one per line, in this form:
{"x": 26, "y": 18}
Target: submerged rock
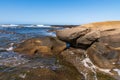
{"x": 41, "y": 46}
{"x": 29, "y": 74}
{"x": 65, "y": 73}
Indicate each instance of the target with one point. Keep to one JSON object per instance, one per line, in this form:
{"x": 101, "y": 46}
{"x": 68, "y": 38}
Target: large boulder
{"x": 41, "y": 46}
{"x": 85, "y": 35}
{"x": 84, "y": 65}
{"x": 102, "y": 55}
{"x": 70, "y": 34}
{"x": 95, "y": 49}
{"x": 88, "y": 39}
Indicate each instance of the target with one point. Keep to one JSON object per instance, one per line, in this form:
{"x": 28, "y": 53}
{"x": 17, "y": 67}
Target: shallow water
{"x": 13, "y": 35}
{"x": 14, "y": 66}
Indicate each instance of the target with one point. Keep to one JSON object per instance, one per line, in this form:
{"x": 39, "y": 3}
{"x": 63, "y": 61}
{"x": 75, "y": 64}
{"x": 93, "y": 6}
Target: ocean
{"x": 14, "y": 34}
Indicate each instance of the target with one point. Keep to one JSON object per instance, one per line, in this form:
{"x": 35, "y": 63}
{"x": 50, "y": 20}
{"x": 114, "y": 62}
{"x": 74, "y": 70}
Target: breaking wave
{"x": 24, "y": 25}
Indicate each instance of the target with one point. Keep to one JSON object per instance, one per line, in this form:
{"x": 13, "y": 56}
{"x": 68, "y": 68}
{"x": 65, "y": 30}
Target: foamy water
{"x": 11, "y": 34}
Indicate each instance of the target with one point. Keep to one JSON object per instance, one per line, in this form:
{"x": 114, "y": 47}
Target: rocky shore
{"x": 86, "y": 52}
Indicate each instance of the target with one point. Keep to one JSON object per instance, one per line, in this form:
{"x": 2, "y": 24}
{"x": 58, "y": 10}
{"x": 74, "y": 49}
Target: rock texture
{"x": 84, "y": 65}
{"x": 41, "y": 46}
{"x": 96, "y": 49}
{"x": 102, "y": 56}
{"x": 107, "y": 32}
{"x": 70, "y": 34}
{"x": 40, "y": 74}
{"x": 88, "y": 39}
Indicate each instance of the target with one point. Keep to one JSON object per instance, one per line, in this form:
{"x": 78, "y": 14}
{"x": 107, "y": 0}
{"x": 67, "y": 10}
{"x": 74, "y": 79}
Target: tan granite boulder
{"x": 88, "y": 39}
{"x": 41, "y": 46}
{"x": 69, "y": 34}
{"x": 106, "y": 32}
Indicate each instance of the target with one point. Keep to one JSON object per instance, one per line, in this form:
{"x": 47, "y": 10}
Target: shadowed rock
{"x": 88, "y": 39}
{"x": 78, "y": 59}
{"x": 102, "y": 56}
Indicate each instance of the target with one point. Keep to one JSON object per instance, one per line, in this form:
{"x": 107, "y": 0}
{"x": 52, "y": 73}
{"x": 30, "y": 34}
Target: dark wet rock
{"x": 47, "y": 74}
{"x": 69, "y": 73}
{"x": 41, "y": 46}
{"x": 28, "y": 74}
{"x": 63, "y": 26}
{"x": 2, "y": 50}
{"x": 41, "y": 74}
{"x": 105, "y": 57}
{"x": 103, "y": 76}
{"x": 102, "y": 56}
{"x": 73, "y": 57}
{"x": 79, "y": 60}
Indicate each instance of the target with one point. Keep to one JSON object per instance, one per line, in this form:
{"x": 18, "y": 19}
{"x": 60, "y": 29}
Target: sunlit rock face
{"x": 95, "y": 49}
{"x": 92, "y": 53}
{"x": 41, "y": 46}
{"x": 85, "y": 35}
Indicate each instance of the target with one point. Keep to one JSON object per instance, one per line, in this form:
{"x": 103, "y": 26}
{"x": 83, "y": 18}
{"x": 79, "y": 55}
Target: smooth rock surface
{"x": 79, "y": 60}
{"x": 88, "y": 39}
{"x": 41, "y": 46}
{"x": 70, "y": 34}
{"x": 95, "y": 53}
{"x": 107, "y": 32}
{"x": 102, "y": 55}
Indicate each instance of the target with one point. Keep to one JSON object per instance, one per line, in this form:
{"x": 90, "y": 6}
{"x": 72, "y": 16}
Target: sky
{"x": 58, "y": 11}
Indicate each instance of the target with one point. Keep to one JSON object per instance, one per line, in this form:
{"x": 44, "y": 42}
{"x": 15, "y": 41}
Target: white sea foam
{"x": 8, "y": 25}
{"x": 40, "y": 26}
{"x": 117, "y": 70}
{"x": 22, "y": 76}
{"x": 91, "y": 67}
{"x": 43, "y": 26}
{"x": 87, "y": 60}
{"x": 10, "y": 48}
{"x": 22, "y": 25}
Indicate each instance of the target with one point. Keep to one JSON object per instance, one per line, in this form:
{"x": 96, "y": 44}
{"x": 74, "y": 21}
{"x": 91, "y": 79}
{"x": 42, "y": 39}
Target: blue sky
{"x": 58, "y": 11}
